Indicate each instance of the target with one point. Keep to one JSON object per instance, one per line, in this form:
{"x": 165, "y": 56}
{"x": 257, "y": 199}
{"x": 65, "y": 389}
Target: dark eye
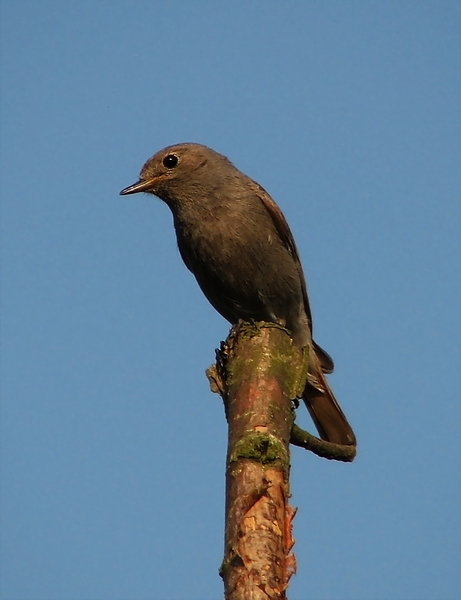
{"x": 170, "y": 161}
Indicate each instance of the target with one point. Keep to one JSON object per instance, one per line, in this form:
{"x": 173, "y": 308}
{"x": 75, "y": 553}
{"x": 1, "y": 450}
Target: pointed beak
{"x": 140, "y": 186}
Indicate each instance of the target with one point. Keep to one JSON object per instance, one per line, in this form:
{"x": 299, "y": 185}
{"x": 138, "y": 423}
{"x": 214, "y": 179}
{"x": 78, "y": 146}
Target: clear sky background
{"x": 112, "y": 446}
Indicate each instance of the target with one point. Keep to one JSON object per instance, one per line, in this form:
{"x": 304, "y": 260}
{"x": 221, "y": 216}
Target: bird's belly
{"x": 244, "y": 281}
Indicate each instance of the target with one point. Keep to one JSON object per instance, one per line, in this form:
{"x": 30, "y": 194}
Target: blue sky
{"x": 112, "y": 446}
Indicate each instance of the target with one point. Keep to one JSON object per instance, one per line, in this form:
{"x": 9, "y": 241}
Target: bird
{"x": 237, "y": 243}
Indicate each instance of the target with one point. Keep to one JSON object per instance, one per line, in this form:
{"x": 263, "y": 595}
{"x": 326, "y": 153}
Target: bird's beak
{"x": 140, "y": 186}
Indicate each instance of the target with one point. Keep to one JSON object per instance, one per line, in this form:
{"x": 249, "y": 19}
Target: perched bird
{"x": 234, "y": 238}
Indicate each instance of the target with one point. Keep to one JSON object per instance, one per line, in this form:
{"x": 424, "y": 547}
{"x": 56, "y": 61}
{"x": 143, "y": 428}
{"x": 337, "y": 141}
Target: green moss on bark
{"x": 260, "y": 447}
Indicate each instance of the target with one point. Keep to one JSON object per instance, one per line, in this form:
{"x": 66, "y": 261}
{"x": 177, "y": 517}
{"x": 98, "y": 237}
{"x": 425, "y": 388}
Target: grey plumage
{"x": 235, "y": 240}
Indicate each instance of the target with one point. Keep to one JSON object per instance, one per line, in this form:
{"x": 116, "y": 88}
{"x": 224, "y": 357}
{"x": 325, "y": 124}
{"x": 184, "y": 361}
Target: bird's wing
{"x": 286, "y": 236}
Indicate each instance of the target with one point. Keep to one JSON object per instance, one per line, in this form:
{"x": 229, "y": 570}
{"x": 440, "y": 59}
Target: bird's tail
{"x": 329, "y": 419}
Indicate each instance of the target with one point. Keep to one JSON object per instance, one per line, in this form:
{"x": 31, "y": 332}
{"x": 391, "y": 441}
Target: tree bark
{"x": 258, "y": 374}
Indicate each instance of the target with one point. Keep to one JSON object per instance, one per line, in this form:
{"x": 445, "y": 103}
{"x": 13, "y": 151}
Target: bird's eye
{"x": 170, "y": 161}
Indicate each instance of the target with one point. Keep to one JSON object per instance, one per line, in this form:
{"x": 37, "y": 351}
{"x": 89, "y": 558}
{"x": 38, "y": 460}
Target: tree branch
{"x": 306, "y": 440}
{"x": 258, "y": 372}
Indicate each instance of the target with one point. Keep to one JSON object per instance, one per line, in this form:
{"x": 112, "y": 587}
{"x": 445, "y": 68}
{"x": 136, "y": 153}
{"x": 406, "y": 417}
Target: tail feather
{"x": 329, "y": 419}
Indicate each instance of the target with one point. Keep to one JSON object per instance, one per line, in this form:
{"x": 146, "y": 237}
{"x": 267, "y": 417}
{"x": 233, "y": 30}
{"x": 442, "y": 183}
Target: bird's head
{"x": 180, "y": 169}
